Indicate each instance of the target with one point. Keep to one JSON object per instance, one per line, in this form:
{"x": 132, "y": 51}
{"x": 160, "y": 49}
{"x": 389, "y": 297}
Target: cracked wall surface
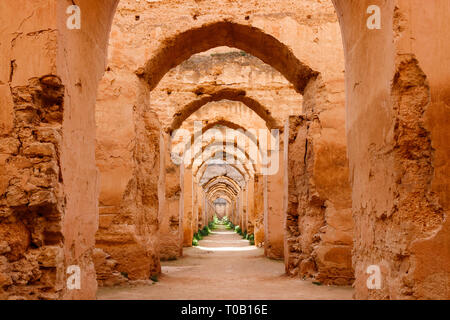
{"x": 396, "y": 92}
{"x": 398, "y": 149}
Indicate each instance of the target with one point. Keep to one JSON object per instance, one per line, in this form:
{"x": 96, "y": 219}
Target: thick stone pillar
{"x": 195, "y": 206}
{"x": 241, "y": 210}
{"x": 201, "y": 206}
{"x": 187, "y": 206}
{"x": 170, "y": 226}
{"x": 251, "y": 206}
{"x": 238, "y": 209}
{"x": 45, "y": 115}
{"x": 244, "y": 209}
{"x": 229, "y": 210}
{"x": 273, "y": 206}
{"x": 211, "y": 211}
{"x": 258, "y": 204}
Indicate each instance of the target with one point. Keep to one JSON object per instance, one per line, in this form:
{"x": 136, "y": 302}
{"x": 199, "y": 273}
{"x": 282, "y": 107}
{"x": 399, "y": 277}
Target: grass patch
{"x": 198, "y": 236}
{"x": 228, "y": 224}
{"x": 154, "y": 278}
{"x": 251, "y": 238}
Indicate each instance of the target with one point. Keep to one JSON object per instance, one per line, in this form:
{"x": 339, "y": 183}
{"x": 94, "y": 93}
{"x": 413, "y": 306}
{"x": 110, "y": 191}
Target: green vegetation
{"x": 206, "y": 231}
{"x": 154, "y": 278}
{"x": 251, "y": 238}
{"x": 198, "y": 236}
{"x": 230, "y": 226}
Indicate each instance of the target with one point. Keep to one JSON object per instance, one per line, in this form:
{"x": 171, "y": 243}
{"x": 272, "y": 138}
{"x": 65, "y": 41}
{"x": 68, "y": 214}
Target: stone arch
{"x": 359, "y": 44}
{"x": 239, "y": 168}
{"x": 180, "y": 47}
{"x": 212, "y": 149}
{"x": 203, "y": 166}
{"x": 223, "y": 179}
{"x": 208, "y": 95}
{"x": 219, "y": 194}
{"x": 223, "y": 144}
{"x": 221, "y": 187}
{"x": 217, "y": 123}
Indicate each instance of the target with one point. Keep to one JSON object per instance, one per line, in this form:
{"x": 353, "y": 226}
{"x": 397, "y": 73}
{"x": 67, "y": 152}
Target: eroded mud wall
{"x": 51, "y": 215}
{"x": 398, "y": 146}
{"x": 274, "y": 206}
{"x": 319, "y": 226}
{"x": 259, "y": 210}
{"x": 170, "y": 226}
{"x": 188, "y": 216}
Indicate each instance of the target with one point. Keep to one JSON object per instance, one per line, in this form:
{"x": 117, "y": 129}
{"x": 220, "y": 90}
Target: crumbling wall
{"x": 259, "y": 210}
{"x": 398, "y": 148}
{"x": 319, "y": 222}
{"x": 319, "y": 233}
{"x": 46, "y": 101}
{"x": 170, "y": 220}
{"x": 132, "y": 235}
{"x": 187, "y": 208}
{"x": 31, "y": 194}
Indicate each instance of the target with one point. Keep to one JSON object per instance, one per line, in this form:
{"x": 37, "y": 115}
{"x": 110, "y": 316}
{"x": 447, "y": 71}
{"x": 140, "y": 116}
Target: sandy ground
{"x": 223, "y": 267}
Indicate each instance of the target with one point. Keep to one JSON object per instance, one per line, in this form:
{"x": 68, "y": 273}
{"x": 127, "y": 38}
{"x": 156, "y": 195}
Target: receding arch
{"x": 222, "y": 144}
{"x": 221, "y": 187}
{"x": 220, "y": 194}
{"x": 178, "y": 48}
{"x": 214, "y": 94}
{"x": 212, "y": 150}
{"x": 220, "y": 122}
{"x": 201, "y": 168}
{"x": 240, "y": 169}
{"x": 225, "y": 179}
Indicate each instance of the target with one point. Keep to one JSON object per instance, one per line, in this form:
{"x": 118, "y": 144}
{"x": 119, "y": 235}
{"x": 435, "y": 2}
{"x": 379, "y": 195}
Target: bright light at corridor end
{"x": 246, "y": 248}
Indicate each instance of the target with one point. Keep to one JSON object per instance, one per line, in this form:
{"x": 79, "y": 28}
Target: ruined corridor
{"x": 224, "y": 149}
{"x": 225, "y": 266}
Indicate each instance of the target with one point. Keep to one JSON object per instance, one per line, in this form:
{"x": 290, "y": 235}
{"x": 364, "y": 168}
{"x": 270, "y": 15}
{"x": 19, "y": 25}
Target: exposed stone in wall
{"x": 416, "y": 212}
{"x": 31, "y": 199}
{"x": 105, "y": 267}
{"x": 147, "y": 54}
{"x": 319, "y": 230}
{"x": 319, "y": 222}
{"x": 401, "y": 98}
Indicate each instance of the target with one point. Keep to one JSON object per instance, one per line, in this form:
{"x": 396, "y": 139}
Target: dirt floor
{"x": 223, "y": 267}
